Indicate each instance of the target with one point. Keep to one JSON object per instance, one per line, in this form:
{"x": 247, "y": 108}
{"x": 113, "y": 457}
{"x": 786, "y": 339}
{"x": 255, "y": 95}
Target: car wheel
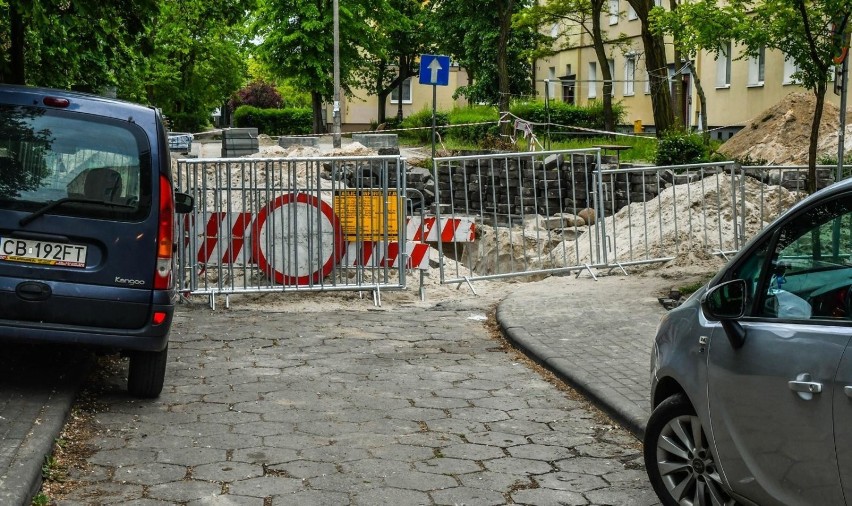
{"x": 147, "y": 373}
{"x": 680, "y": 465}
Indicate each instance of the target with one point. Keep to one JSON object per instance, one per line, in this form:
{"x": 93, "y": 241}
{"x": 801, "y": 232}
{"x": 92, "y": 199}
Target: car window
{"x": 810, "y": 273}
{"x": 750, "y": 271}
{"x": 48, "y": 155}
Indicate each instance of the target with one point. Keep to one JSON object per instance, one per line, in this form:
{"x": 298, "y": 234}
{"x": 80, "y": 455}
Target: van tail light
{"x": 165, "y": 236}
{"x": 159, "y": 317}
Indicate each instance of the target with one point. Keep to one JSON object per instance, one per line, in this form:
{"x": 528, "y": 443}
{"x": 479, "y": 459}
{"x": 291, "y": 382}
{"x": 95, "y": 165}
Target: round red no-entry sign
{"x": 297, "y": 239}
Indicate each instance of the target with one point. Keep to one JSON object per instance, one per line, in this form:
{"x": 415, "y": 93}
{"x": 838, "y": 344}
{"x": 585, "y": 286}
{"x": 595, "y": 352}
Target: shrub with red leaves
{"x": 259, "y": 94}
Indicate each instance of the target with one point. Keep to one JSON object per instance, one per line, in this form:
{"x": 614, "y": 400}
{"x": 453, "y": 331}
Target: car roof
{"x": 80, "y": 102}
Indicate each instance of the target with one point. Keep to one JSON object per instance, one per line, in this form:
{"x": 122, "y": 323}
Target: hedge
{"x": 479, "y": 123}
{"x": 289, "y": 121}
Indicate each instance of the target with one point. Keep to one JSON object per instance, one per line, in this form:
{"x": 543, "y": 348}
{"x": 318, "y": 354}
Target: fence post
{"x": 600, "y": 212}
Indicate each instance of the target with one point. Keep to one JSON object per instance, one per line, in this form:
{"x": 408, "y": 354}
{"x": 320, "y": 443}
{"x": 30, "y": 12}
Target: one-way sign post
{"x": 434, "y": 70}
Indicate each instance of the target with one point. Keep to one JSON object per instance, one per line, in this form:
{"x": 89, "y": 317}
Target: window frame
{"x": 630, "y": 75}
{"x": 593, "y": 80}
{"x": 406, "y": 87}
{"x": 757, "y": 68}
{"x": 723, "y": 66}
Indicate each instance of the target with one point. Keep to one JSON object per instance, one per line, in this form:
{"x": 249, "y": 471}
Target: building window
{"x": 629, "y": 75}
{"x": 631, "y": 13}
{"x": 658, "y": 3}
{"x": 593, "y": 79}
{"x": 568, "y": 89}
{"x": 611, "y": 64}
{"x": 406, "y": 93}
{"x": 790, "y": 68}
{"x": 551, "y": 82}
{"x": 723, "y": 67}
{"x": 554, "y": 31}
{"x": 756, "y": 67}
{"x": 613, "y": 12}
{"x": 647, "y": 83}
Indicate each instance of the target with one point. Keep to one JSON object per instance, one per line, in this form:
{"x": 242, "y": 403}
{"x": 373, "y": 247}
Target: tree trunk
{"x": 406, "y": 67}
{"x": 316, "y": 105}
{"x": 17, "y": 61}
{"x": 679, "y": 115}
{"x": 606, "y": 75}
{"x": 382, "y": 97}
{"x": 819, "y": 92}
{"x": 381, "y": 105}
{"x": 702, "y": 99}
{"x": 655, "y": 61}
{"x": 506, "y": 8}
{"x": 677, "y": 95}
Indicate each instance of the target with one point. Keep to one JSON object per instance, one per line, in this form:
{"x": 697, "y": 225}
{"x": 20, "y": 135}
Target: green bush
{"x": 422, "y": 119}
{"x": 560, "y": 113}
{"x": 291, "y": 121}
{"x": 188, "y": 122}
{"x": 476, "y": 124}
{"x": 679, "y": 148}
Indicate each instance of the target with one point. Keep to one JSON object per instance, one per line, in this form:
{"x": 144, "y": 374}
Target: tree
{"x": 296, "y": 40}
{"x": 585, "y": 15}
{"x": 66, "y": 44}
{"x": 196, "y": 63}
{"x": 697, "y": 26}
{"x": 655, "y": 62}
{"x": 401, "y": 37}
{"x": 802, "y": 31}
{"x": 479, "y": 36}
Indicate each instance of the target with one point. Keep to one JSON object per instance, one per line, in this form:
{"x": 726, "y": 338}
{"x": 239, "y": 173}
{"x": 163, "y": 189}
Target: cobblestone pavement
{"x": 37, "y": 387}
{"x": 420, "y": 406}
{"x": 600, "y": 340}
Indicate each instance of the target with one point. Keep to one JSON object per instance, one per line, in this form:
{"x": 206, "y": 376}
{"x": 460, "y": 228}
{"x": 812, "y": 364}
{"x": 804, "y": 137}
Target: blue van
{"x": 87, "y": 220}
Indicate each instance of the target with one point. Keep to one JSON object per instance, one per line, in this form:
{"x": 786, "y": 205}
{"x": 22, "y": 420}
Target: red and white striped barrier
{"x": 223, "y": 238}
{"x": 226, "y": 239}
{"x": 448, "y": 229}
{"x": 375, "y": 254}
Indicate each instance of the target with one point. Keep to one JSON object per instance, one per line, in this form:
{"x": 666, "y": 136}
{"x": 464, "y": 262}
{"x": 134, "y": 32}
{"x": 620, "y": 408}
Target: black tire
{"x": 147, "y": 373}
{"x": 680, "y": 464}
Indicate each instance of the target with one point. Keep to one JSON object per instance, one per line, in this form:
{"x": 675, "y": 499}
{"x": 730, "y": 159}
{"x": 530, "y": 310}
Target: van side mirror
{"x": 726, "y": 303}
{"x": 184, "y": 203}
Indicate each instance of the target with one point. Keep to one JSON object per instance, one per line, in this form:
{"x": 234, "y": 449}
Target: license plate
{"x": 42, "y": 252}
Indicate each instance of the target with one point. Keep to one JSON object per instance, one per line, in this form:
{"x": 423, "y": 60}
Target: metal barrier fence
{"x": 293, "y": 224}
{"x": 558, "y": 211}
{"x": 691, "y": 213}
{"x": 525, "y": 207}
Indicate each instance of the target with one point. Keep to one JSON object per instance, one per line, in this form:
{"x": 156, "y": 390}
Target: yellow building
{"x": 737, "y": 89}
{"x": 361, "y": 110}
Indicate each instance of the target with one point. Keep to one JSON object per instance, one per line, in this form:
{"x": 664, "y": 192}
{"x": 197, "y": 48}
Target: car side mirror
{"x": 184, "y": 203}
{"x": 726, "y": 304}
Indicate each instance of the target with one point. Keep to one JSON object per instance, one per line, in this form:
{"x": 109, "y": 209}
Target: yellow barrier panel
{"x": 362, "y": 214}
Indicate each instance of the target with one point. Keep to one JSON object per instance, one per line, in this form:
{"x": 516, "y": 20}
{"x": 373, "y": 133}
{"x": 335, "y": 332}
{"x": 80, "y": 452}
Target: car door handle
{"x": 805, "y": 386}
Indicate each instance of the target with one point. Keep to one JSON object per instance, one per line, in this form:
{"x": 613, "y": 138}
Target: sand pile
{"x": 691, "y": 223}
{"x": 688, "y": 224}
{"x": 780, "y": 135}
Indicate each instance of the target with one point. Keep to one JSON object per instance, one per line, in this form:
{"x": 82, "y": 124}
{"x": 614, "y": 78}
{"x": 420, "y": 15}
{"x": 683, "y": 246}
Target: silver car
{"x": 751, "y": 378}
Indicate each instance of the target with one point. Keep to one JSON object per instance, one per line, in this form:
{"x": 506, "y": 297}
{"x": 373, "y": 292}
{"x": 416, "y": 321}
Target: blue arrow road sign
{"x": 434, "y": 69}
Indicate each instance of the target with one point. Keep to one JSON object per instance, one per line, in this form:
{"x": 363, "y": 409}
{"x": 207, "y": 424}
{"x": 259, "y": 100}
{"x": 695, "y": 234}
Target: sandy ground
{"x": 478, "y": 296}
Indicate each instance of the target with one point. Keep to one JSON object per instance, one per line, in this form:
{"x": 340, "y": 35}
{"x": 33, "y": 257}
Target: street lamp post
{"x": 336, "y": 108}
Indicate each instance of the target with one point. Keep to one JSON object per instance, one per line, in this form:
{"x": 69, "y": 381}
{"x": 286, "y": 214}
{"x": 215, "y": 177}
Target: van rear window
{"x": 47, "y": 155}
